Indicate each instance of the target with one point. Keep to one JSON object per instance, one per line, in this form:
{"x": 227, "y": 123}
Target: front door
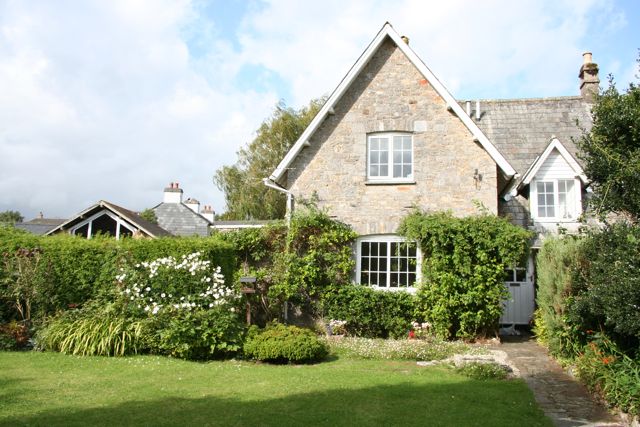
{"x": 520, "y": 303}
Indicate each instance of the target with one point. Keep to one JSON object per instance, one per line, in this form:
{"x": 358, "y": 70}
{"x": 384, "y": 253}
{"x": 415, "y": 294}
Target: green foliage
{"x": 196, "y": 334}
{"x": 431, "y": 348}
{"x": 14, "y": 335}
{"x": 73, "y": 270}
{"x": 245, "y": 195}
{"x": 295, "y": 264}
{"x": 557, "y": 266}
{"x": 610, "y": 372}
{"x": 370, "y": 313}
{"x": 317, "y": 254}
{"x": 96, "y": 330}
{"x": 149, "y": 215}
{"x": 10, "y": 217}
{"x": 463, "y": 269}
{"x": 611, "y": 151}
{"x": 607, "y": 297}
{"x": 483, "y": 371}
{"x": 279, "y": 343}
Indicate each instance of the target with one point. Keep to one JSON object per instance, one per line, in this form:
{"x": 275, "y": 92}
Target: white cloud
{"x": 113, "y": 100}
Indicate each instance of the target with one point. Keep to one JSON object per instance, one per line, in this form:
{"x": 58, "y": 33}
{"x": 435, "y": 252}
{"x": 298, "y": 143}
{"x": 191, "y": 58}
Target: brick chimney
{"x": 193, "y": 204}
{"x": 208, "y": 213}
{"x": 589, "y": 81}
{"x": 173, "y": 193}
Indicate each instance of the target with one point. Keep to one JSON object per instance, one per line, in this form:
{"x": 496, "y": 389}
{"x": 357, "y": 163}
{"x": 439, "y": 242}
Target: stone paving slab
{"x": 563, "y": 399}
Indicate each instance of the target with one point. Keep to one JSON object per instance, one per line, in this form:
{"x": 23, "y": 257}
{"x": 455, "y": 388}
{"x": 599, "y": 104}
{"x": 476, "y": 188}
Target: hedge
{"x": 74, "y": 270}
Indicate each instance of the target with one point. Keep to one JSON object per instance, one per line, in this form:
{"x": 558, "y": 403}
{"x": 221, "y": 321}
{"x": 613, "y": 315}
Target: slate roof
{"x": 521, "y": 129}
{"x": 180, "y": 220}
{"x": 131, "y": 217}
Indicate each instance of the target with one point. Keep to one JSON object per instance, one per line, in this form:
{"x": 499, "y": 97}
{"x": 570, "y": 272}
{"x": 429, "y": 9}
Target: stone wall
{"x": 390, "y": 94}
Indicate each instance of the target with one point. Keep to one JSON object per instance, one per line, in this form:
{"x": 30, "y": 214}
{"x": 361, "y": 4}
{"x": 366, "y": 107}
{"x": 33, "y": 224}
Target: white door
{"x": 519, "y": 305}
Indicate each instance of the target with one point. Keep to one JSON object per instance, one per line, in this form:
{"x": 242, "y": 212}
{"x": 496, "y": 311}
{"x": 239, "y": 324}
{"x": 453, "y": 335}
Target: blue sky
{"x": 115, "y": 99}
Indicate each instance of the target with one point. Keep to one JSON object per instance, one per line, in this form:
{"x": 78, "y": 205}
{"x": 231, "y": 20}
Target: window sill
{"x": 411, "y": 290}
{"x": 389, "y": 183}
{"x": 556, "y": 220}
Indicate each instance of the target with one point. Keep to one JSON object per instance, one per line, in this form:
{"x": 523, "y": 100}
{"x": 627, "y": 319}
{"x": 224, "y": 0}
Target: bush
{"x": 279, "y": 343}
{"x": 607, "y": 297}
{"x": 14, "y": 336}
{"x": 196, "y": 335}
{"x": 370, "y": 313}
{"x": 463, "y": 269}
{"x": 557, "y": 266}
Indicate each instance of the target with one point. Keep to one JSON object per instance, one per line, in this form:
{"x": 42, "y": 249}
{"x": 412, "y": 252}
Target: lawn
{"x": 54, "y": 389}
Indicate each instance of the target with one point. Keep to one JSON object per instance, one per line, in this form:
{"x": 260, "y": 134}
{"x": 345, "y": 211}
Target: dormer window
{"x": 390, "y": 157}
{"x": 556, "y": 200}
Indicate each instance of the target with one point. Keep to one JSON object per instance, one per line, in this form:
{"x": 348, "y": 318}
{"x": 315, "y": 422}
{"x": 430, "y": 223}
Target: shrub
{"x": 370, "y": 313}
{"x": 482, "y": 371}
{"x": 13, "y": 336}
{"x": 608, "y": 291}
{"x": 279, "y": 343}
{"x": 196, "y": 335}
{"x": 557, "y": 266}
{"x": 463, "y": 269}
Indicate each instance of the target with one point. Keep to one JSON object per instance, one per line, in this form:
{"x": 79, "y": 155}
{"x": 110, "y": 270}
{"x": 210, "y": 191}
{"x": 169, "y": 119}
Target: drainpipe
{"x": 272, "y": 184}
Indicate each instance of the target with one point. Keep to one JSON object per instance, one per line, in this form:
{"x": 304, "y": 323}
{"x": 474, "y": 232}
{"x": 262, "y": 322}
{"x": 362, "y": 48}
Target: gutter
{"x": 272, "y": 184}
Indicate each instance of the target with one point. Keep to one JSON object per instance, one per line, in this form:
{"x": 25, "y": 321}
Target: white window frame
{"x": 386, "y": 238}
{"x": 558, "y": 216}
{"x": 119, "y": 223}
{"x": 390, "y": 162}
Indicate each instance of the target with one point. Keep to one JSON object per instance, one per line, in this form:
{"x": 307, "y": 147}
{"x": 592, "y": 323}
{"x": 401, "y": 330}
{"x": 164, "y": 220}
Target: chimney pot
{"x": 587, "y": 58}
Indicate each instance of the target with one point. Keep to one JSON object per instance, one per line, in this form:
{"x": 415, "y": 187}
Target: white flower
{"x": 146, "y": 308}
{"x": 163, "y": 295}
{"x": 181, "y": 298}
{"x": 233, "y": 310}
{"x": 147, "y": 289}
{"x": 127, "y": 291}
{"x": 155, "y": 309}
{"x": 131, "y": 298}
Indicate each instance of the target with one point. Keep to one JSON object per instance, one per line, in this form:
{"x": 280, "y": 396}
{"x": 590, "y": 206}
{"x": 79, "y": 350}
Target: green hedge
{"x": 75, "y": 269}
{"x": 370, "y": 313}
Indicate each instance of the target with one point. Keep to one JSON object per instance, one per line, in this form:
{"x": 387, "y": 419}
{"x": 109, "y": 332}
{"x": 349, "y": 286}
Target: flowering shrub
{"x": 179, "y": 307}
{"x": 170, "y": 284}
{"x": 421, "y": 330}
{"x": 337, "y": 327}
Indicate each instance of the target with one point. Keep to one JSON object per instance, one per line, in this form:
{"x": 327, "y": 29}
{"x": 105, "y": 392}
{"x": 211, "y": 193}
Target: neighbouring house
{"x": 183, "y": 218}
{"x": 391, "y": 138}
{"x": 39, "y": 225}
{"x": 108, "y": 219}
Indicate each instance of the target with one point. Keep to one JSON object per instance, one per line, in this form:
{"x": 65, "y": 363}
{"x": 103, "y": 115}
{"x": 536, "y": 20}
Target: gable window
{"x": 387, "y": 262}
{"x": 389, "y": 157}
{"x": 556, "y": 199}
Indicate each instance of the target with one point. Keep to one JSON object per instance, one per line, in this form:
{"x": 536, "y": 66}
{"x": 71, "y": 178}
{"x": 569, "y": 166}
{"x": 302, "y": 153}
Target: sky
{"x": 114, "y": 99}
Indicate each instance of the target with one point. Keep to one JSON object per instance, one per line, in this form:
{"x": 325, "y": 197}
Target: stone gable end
{"x": 390, "y": 94}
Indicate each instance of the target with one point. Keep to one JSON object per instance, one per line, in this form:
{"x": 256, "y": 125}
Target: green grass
{"x": 54, "y": 389}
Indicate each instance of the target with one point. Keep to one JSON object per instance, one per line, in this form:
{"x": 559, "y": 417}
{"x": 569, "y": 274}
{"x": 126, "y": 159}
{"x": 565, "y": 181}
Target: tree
{"x": 150, "y": 215}
{"x": 245, "y": 194}
{"x": 10, "y": 217}
{"x": 611, "y": 151}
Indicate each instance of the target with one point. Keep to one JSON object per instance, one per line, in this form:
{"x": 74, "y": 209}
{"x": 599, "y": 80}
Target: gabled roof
{"x": 388, "y": 31}
{"x": 522, "y": 128}
{"x": 181, "y": 220}
{"x": 131, "y": 217}
{"x": 555, "y": 144}
{"x": 39, "y": 226}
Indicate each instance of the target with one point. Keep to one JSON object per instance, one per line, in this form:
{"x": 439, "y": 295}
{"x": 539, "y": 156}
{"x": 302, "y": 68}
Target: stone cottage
{"x": 391, "y": 138}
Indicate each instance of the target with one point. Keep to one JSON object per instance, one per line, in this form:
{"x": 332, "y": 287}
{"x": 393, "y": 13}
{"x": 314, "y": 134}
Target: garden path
{"x": 562, "y": 398}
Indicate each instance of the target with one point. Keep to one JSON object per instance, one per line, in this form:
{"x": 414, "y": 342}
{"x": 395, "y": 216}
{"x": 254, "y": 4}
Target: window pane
{"x": 374, "y": 170}
{"x": 406, "y": 157}
{"x": 384, "y": 157}
{"x": 365, "y": 248}
{"x": 397, "y": 171}
{"x": 407, "y": 171}
{"x": 397, "y": 157}
{"x": 383, "y": 248}
{"x": 382, "y": 280}
{"x": 384, "y": 144}
{"x": 374, "y": 158}
{"x": 364, "y": 278}
{"x": 382, "y": 264}
{"x": 374, "y": 143}
{"x": 521, "y": 275}
{"x": 384, "y": 170}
